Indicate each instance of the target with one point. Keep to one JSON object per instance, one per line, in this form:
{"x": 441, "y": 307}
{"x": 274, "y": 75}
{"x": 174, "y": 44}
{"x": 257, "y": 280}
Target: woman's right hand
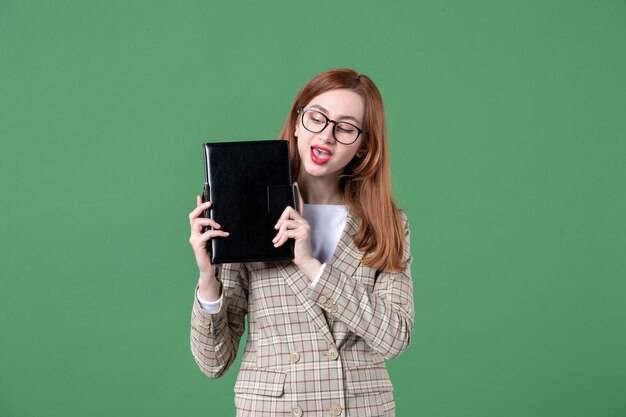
{"x": 198, "y": 241}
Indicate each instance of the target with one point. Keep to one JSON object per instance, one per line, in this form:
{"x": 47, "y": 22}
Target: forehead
{"x": 340, "y": 102}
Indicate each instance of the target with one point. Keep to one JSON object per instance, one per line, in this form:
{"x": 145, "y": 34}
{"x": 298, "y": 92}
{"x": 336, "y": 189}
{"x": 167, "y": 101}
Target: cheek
{"x": 350, "y": 153}
{"x": 344, "y": 159}
{"x": 302, "y": 147}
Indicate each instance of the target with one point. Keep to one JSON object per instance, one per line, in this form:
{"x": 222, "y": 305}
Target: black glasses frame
{"x": 305, "y": 109}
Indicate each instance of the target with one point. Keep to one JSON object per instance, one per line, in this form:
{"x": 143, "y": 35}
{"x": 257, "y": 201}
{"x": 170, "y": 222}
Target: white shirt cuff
{"x": 317, "y": 278}
{"x": 210, "y": 307}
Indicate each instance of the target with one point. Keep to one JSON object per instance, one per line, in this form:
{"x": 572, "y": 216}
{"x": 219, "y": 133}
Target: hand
{"x": 198, "y": 240}
{"x": 292, "y": 225}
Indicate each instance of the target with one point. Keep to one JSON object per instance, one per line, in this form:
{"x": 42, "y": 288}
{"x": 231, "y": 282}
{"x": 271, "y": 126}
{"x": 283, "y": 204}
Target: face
{"x": 320, "y": 153}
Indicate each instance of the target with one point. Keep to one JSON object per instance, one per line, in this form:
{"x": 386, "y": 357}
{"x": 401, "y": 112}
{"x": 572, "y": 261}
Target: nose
{"x": 328, "y": 133}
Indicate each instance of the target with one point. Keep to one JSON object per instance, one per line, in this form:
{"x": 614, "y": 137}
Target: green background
{"x": 508, "y": 137}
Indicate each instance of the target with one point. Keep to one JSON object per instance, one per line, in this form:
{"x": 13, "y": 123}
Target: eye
{"x": 316, "y": 117}
{"x": 345, "y": 128}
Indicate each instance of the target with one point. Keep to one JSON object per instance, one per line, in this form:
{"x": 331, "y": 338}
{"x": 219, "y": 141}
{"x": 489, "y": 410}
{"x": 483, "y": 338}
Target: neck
{"x": 317, "y": 190}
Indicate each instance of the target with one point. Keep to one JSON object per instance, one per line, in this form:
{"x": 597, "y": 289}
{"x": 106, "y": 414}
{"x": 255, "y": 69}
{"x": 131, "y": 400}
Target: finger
{"x": 289, "y": 234}
{"x": 210, "y": 234}
{"x": 278, "y": 236}
{"x": 286, "y": 224}
{"x": 199, "y": 209}
{"x": 289, "y": 214}
{"x": 200, "y": 222}
{"x": 296, "y": 216}
{"x": 281, "y": 240}
{"x": 293, "y": 224}
{"x": 292, "y": 229}
{"x": 300, "y": 200}
{"x": 198, "y": 240}
{"x": 280, "y": 233}
{"x": 297, "y": 235}
{"x": 284, "y": 215}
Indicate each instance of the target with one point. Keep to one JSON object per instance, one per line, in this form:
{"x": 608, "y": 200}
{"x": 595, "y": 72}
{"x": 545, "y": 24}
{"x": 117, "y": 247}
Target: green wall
{"x": 508, "y": 136}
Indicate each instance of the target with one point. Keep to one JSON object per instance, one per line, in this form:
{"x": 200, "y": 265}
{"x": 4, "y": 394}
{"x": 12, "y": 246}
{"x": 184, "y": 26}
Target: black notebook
{"x": 249, "y": 186}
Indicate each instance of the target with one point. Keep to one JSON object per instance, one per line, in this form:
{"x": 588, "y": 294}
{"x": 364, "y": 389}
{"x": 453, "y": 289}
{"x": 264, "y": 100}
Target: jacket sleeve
{"x": 215, "y": 337}
{"x": 384, "y": 317}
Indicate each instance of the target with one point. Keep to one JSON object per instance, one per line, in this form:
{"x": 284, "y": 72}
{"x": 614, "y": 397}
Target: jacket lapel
{"x": 299, "y": 284}
{"x": 346, "y": 258}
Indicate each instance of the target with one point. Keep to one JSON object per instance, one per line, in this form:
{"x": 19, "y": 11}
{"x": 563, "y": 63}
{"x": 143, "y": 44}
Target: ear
{"x": 362, "y": 150}
{"x": 296, "y": 128}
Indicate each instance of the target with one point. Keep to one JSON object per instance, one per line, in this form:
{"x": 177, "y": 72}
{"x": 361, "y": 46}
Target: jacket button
{"x": 335, "y": 409}
{"x": 296, "y": 411}
{"x": 328, "y": 303}
{"x": 333, "y": 354}
{"x": 294, "y": 356}
{"x": 322, "y": 299}
{"x": 333, "y": 308}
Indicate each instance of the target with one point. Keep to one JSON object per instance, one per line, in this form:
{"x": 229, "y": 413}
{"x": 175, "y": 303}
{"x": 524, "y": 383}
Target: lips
{"x": 320, "y": 155}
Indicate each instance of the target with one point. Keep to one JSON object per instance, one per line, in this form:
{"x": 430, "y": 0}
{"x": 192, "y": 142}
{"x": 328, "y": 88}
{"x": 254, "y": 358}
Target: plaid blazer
{"x": 309, "y": 352}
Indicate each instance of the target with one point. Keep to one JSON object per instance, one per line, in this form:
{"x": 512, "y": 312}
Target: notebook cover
{"x": 249, "y": 186}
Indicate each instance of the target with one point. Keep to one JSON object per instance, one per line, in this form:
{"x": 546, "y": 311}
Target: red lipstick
{"x": 320, "y": 155}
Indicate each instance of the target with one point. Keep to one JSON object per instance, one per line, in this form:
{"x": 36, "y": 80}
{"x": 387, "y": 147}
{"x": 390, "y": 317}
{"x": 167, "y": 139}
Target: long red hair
{"x": 365, "y": 181}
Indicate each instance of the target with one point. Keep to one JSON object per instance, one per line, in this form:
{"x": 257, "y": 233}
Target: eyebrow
{"x": 317, "y": 106}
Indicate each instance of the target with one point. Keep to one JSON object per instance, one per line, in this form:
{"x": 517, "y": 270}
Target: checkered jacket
{"x": 309, "y": 352}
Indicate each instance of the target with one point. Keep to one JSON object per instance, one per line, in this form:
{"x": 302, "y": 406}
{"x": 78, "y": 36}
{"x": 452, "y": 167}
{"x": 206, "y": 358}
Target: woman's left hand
{"x": 291, "y": 224}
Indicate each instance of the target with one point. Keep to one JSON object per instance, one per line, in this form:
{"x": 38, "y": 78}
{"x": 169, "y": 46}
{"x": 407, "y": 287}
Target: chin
{"x": 317, "y": 171}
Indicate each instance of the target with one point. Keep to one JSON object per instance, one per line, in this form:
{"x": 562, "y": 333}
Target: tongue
{"x": 320, "y": 154}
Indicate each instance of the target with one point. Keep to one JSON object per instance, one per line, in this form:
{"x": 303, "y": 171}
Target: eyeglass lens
{"x": 315, "y": 121}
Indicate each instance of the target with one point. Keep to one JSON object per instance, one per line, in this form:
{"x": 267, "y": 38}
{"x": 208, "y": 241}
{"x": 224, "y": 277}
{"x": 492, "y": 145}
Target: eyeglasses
{"x": 343, "y": 132}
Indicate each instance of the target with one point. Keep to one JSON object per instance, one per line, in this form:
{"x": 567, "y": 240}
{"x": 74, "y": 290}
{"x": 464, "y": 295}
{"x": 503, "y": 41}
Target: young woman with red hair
{"x": 320, "y": 326}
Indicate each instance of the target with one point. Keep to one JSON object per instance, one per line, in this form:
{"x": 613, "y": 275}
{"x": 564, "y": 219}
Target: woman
{"x": 320, "y": 326}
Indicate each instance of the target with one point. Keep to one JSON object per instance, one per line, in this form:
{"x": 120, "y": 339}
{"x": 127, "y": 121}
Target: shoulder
{"x": 404, "y": 220}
